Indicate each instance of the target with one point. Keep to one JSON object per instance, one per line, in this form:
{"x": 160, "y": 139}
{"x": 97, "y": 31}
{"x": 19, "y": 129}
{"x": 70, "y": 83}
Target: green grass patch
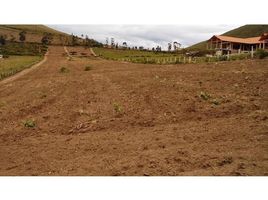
{"x": 30, "y": 123}
{"x": 153, "y": 57}
{"x": 118, "y": 108}
{"x": 18, "y": 48}
{"x": 139, "y": 56}
{"x": 14, "y": 64}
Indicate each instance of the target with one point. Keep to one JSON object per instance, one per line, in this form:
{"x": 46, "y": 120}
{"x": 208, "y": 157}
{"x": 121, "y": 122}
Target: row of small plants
{"x": 152, "y": 58}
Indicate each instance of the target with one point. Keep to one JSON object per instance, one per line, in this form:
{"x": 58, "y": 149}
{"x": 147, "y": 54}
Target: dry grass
{"x": 14, "y": 64}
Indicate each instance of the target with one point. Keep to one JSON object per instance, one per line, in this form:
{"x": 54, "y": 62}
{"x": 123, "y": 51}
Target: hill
{"x": 242, "y": 32}
{"x": 35, "y": 33}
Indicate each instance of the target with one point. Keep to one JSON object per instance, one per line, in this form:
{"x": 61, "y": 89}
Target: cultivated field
{"x": 164, "y": 57}
{"x": 89, "y": 116}
{"x": 14, "y": 64}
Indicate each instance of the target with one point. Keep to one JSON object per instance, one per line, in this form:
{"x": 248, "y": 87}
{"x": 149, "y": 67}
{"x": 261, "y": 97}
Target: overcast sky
{"x": 147, "y": 35}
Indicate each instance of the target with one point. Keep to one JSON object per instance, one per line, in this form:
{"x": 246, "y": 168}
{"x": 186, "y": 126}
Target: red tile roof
{"x": 251, "y": 40}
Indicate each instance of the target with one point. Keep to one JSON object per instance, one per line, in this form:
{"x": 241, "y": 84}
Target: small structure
{"x": 229, "y": 45}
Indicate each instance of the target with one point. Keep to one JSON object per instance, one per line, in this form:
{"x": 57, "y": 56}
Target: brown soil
{"x": 134, "y": 119}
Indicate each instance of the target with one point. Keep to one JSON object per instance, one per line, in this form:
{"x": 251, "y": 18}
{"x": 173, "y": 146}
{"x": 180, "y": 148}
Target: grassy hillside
{"x": 18, "y": 48}
{"x": 37, "y": 29}
{"x": 35, "y": 33}
{"x": 243, "y": 32}
{"x": 248, "y": 31}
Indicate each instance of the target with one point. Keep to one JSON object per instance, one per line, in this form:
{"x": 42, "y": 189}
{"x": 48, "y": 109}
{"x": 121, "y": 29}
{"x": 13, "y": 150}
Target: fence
{"x": 183, "y": 59}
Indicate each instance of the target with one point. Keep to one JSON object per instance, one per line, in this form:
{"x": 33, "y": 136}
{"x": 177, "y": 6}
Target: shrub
{"x": 22, "y": 36}
{"x": 117, "y": 108}
{"x": 29, "y": 123}
{"x": 223, "y": 58}
{"x": 260, "y": 53}
{"x": 88, "y": 68}
{"x": 215, "y": 102}
{"x": 204, "y": 95}
{"x": 64, "y": 70}
{"x": 239, "y": 56}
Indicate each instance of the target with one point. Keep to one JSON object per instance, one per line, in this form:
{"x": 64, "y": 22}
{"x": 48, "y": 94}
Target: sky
{"x": 147, "y": 36}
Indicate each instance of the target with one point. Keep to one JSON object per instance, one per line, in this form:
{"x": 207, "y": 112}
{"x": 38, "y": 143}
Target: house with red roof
{"x": 227, "y": 44}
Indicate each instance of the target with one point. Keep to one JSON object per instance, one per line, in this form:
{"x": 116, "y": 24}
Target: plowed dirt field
{"x": 121, "y": 118}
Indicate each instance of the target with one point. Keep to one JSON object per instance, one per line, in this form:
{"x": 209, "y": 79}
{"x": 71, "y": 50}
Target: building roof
{"x": 251, "y": 40}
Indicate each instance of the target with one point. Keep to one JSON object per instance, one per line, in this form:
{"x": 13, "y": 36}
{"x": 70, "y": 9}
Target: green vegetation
{"x": 204, "y": 95}
{"x": 29, "y": 123}
{"x": 215, "y": 102}
{"x": 47, "y": 39}
{"x": 64, "y": 70}
{"x": 88, "y": 68}
{"x": 125, "y": 53}
{"x": 139, "y": 56}
{"x": 150, "y": 57}
{"x": 22, "y": 35}
{"x": 248, "y": 31}
{"x": 14, "y": 64}
{"x": 260, "y": 53}
{"x": 117, "y": 108}
{"x": 207, "y": 97}
{"x": 42, "y": 34}
{"x": 29, "y": 49}
{"x": 38, "y": 29}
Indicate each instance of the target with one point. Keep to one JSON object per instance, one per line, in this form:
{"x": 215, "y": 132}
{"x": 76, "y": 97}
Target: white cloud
{"x": 147, "y": 35}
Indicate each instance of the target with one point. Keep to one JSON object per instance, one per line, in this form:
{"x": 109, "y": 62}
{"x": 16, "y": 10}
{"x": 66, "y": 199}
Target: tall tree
{"x": 124, "y": 44}
{"x": 169, "y": 46}
{"x": 2, "y": 40}
{"x": 112, "y": 42}
{"x": 22, "y": 35}
{"x": 47, "y": 38}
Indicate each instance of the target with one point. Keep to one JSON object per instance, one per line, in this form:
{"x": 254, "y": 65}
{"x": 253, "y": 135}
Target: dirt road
{"x": 134, "y": 119}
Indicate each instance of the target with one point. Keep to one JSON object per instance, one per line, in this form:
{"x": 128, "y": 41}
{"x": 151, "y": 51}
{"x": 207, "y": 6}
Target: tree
{"x": 87, "y": 42}
{"x": 176, "y": 46}
{"x": 158, "y": 48}
{"x": 112, "y": 42}
{"x": 74, "y": 40}
{"x": 107, "y": 42}
{"x": 22, "y": 35}
{"x": 2, "y": 40}
{"x": 124, "y": 45}
{"x": 47, "y": 38}
{"x": 169, "y": 46}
